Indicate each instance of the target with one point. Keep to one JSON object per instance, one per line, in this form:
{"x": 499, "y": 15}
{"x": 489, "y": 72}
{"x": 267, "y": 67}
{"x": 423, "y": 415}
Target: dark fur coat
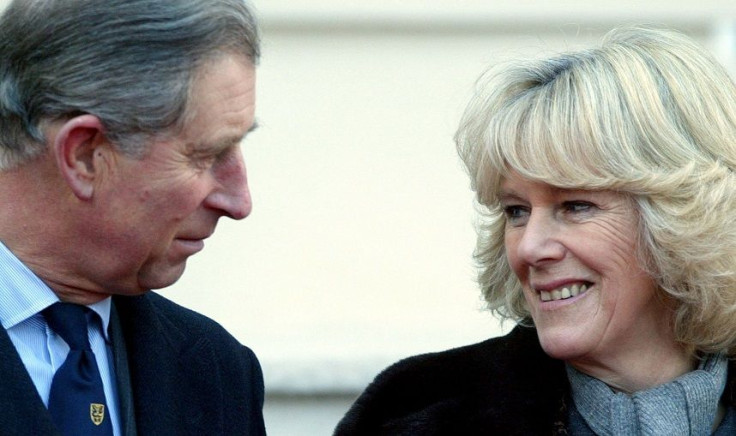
{"x": 502, "y": 386}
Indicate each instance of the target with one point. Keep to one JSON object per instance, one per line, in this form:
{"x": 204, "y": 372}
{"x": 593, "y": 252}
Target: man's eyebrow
{"x": 229, "y": 141}
{"x": 253, "y": 127}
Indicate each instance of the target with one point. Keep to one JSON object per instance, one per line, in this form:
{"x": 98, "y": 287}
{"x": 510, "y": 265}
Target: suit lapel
{"x": 21, "y": 409}
{"x": 165, "y": 370}
{"x": 122, "y": 376}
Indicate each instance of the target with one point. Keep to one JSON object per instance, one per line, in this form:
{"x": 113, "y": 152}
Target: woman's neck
{"x": 632, "y": 371}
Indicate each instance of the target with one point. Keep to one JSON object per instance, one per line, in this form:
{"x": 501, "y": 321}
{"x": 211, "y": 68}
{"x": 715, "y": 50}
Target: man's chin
{"x": 158, "y": 278}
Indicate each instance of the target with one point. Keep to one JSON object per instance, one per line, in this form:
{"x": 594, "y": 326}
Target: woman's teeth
{"x": 563, "y": 292}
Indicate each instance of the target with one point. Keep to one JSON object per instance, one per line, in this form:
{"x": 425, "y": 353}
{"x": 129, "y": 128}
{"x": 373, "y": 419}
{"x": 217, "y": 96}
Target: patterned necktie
{"x": 77, "y": 399}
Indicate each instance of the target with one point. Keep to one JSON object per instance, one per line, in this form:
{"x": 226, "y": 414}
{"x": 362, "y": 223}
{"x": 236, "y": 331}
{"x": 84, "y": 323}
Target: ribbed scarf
{"x": 684, "y": 406}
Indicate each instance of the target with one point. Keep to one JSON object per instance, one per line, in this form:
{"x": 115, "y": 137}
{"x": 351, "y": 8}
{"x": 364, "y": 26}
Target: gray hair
{"x": 131, "y": 63}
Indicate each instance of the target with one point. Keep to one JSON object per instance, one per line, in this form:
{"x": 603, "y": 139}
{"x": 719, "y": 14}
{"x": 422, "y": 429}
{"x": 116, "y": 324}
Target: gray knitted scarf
{"x": 684, "y": 406}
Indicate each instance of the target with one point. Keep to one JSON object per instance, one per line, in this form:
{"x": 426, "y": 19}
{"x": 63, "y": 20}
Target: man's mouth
{"x": 564, "y": 292}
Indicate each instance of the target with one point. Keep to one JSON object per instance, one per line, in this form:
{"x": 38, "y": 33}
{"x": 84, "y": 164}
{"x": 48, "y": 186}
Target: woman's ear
{"x": 77, "y": 146}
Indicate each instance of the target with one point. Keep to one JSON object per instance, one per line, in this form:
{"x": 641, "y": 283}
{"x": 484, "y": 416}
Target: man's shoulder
{"x": 160, "y": 308}
{"x": 174, "y": 312}
{"x": 154, "y": 311}
{"x": 437, "y": 393}
{"x": 177, "y": 353}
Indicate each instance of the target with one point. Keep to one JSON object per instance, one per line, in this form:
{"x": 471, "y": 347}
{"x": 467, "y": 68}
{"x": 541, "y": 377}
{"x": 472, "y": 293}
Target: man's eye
{"x": 203, "y": 162}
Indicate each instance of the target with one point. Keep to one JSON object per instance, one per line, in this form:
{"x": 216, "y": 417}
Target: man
{"x": 120, "y": 124}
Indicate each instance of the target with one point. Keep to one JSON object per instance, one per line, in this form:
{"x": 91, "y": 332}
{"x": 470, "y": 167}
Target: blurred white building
{"x": 358, "y": 250}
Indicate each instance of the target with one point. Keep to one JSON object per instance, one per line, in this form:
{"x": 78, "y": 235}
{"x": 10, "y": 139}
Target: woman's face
{"x": 574, "y": 253}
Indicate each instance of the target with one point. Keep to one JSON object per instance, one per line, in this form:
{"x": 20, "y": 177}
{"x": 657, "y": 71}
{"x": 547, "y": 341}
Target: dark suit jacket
{"x": 187, "y": 376}
{"x": 502, "y": 386}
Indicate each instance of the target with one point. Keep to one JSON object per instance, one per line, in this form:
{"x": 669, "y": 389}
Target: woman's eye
{"x": 516, "y": 215}
{"x": 577, "y": 206}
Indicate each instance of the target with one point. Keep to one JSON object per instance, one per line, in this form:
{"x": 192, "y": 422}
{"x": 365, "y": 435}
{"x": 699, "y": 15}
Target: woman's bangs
{"x": 543, "y": 142}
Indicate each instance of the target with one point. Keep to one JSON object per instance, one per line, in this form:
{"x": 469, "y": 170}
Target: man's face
{"x": 159, "y": 210}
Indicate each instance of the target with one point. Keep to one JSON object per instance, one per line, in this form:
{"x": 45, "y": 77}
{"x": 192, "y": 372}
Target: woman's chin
{"x": 563, "y": 346}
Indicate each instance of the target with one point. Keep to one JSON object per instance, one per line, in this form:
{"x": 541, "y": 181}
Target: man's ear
{"x": 78, "y": 146}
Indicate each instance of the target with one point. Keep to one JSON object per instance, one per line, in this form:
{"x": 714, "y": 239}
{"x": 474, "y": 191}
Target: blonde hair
{"x": 649, "y": 114}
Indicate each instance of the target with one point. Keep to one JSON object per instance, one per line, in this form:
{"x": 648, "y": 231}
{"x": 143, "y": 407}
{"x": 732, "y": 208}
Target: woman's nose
{"x": 539, "y": 242}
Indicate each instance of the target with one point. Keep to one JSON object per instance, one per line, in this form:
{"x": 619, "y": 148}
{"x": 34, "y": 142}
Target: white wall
{"x": 358, "y": 251}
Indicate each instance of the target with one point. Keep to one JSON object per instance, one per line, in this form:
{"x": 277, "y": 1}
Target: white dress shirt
{"x": 22, "y": 297}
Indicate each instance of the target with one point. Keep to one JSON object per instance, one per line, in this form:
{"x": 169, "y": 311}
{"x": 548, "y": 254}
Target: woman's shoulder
{"x": 466, "y": 362}
{"x": 437, "y": 392}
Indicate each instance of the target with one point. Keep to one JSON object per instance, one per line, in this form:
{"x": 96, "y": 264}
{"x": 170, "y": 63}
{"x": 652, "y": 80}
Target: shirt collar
{"x": 23, "y": 294}
{"x": 102, "y": 308}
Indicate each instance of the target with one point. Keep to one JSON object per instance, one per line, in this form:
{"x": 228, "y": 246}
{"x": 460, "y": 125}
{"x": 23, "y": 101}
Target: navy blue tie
{"x": 77, "y": 399}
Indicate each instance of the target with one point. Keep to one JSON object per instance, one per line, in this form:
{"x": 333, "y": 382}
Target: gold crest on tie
{"x": 97, "y": 413}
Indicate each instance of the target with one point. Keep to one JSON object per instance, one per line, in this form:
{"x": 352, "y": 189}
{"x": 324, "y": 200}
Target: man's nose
{"x": 232, "y": 196}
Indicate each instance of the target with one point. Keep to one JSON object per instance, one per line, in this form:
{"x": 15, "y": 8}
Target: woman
{"x": 606, "y": 183}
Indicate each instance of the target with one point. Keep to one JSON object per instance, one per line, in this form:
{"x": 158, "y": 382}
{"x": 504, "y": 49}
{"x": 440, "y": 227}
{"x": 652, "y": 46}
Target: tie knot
{"x": 70, "y": 322}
